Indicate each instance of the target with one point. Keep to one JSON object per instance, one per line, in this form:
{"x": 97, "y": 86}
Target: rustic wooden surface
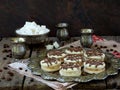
{"x": 7, "y": 78}
{"x": 10, "y": 80}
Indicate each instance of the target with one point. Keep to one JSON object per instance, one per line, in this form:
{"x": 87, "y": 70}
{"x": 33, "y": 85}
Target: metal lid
{"x": 62, "y": 24}
{"x": 18, "y": 40}
{"x": 86, "y": 30}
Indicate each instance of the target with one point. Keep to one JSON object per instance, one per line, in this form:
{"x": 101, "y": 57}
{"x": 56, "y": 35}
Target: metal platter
{"x": 112, "y": 67}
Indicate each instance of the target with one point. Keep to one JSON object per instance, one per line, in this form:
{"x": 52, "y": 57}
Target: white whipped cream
{"x": 31, "y": 28}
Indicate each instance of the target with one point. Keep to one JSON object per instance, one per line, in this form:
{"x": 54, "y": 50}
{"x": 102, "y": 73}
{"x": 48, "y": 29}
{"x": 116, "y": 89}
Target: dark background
{"x": 101, "y": 15}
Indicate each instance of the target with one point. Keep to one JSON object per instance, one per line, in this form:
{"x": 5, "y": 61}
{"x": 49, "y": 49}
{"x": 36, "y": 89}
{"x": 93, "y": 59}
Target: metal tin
{"x": 86, "y": 38}
{"x": 62, "y": 31}
{"x": 18, "y": 48}
{"x": 86, "y": 31}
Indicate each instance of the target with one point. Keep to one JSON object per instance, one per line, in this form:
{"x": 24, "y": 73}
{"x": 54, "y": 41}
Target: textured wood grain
{"x": 8, "y": 78}
{"x": 13, "y": 81}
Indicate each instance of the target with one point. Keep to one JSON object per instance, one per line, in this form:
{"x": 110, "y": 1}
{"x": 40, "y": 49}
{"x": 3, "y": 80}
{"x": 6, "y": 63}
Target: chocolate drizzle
{"x": 94, "y": 62}
{"x": 56, "y": 52}
{"x": 76, "y": 49}
{"x": 70, "y": 65}
{"x": 75, "y": 57}
{"x": 50, "y": 60}
{"x": 93, "y": 53}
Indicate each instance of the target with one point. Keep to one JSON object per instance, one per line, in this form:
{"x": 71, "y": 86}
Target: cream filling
{"x": 70, "y": 72}
{"x": 95, "y": 57}
{"x": 73, "y": 52}
{"x": 42, "y": 63}
{"x": 56, "y": 56}
{"x": 72, "y": 61}
{"x": 94, "y": 66}
{"x": 95, "y": 71}
{"x": 50, "y": 68}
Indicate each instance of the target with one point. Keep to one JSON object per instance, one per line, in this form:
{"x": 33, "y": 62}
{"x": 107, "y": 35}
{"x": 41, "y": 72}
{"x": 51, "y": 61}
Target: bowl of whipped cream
{"x": 33, "y": 33}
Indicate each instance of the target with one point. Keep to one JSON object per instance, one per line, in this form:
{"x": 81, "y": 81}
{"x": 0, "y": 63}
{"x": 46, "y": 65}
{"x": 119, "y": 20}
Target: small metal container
{"x": 62, "y": 31}
{"x": 86, "y": 38}
{"x": 18, "y": 48}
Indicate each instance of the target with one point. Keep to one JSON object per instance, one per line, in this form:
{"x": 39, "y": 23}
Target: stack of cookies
{"x": 72, "y": 61}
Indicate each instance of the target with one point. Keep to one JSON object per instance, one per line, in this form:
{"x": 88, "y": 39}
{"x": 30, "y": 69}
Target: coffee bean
{"x": 26, "y": 70}
{"x": 3, "y": 77}
{"x": 20, "y": 68}
{"x": 4, "y": 58}
{"x": 101, "y": 46}
{"x": 79, "y": 47}
{"x": 111, "y": 49}
{"x": 7, "y": 55}
{"x": 10, "y": 56}
{"x": 107, "y": 50}
{"x": 96, "y": 45}
{"x": 71, "y": 46}
{"x": 1, "y": 70}
{"x": 8, "y": 79}
{"x": 105, "y": 47}
{"x": 98, "y": 48}
{"x": 4, "y": 46}
{"x": 5, "y": 68}
{"x": 114, "y": 45}
{"x": 115, "y": 51}
{"x": 10, "y": 73}
{"x": 9, "y": 50}
{"x": 8, "y": 63}
{"x": 117, "y": 54}
{"x": 4, "y": 51}
{"x": 31, "y": 80}
{"x": 8, "y": 46}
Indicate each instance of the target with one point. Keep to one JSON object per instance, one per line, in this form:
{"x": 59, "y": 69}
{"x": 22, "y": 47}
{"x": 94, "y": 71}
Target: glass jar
{"x": 18, "y": 48}
{"x": 62, "y": 31}
{"x": 86, "y": 38}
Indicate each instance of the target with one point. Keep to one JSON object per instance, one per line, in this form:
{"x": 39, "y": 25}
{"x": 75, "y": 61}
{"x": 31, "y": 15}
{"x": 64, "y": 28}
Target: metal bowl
{"x": 34, "y": 39}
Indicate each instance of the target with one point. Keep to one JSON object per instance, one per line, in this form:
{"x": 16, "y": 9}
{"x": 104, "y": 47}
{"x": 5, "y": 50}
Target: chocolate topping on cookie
{"x": 74, "y": 57}
{"x": 93, "y": 52}
{"x": 70, "y": 65}
{"x": 94, "y": 62}
{"x": 50, "y": 60}
{"x": 56, "y": 52}
{"x": 75, "y": 49}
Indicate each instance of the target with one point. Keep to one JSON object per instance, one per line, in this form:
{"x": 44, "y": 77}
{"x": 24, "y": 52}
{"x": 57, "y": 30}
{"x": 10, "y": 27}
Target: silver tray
{"x": 112, "y": 67}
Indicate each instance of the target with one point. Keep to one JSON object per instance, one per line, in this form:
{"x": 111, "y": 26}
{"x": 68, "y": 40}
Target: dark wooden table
{"x": 10, "y": 80}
